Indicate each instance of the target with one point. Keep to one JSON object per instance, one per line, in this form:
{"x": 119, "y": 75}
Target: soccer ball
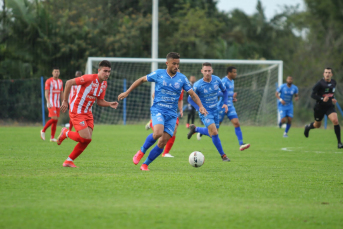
{"x": 196, "y": 159}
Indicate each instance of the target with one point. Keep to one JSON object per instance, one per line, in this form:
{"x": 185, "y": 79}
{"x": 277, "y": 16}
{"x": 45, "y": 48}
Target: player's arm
{"x": 315, "y": 95}
{"x": 62, "y": 95}
{"x": 277, "y": 95}
{"x": 196, "y": 99}
{"x": 296, "y": 97}
{"x": 133, "y": 86}
{"x": 180, "y": 106}
{"x": 67, "y": 88}
{"x": 47, "y": 98}
{"x": 225, "y": 98}
{"x": 104, "y": 103}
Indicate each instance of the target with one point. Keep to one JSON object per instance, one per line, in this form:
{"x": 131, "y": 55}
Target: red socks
{"x": 79, "y": 148}
{"x": 151, "y": 125}
{"x": 70, "y": 125}
{"x": 48, "y": 123}
{"x": 169, "y": 145}
{"x": 53, "y": 124}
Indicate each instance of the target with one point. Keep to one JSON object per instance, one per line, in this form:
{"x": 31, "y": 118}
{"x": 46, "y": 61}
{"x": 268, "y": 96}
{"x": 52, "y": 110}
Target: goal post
{"x": 255, "y": 85}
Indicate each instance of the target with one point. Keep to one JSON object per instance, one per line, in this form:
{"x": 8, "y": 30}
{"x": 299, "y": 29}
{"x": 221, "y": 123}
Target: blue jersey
{"x": 167, "y": 91}
{"x": 230, "y": 86}
{"x": 208, "y": 92}
{"x": 286, "y": 94}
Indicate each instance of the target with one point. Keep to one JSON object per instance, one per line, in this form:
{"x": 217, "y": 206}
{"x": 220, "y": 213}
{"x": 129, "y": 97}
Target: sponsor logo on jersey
{"x": 164, "y": 83}
{"x": 158, "y": 114}
{"x": 103, "y": 86}
{"x": 95, "y": 85}
{"x": 210, "y": 89}
{"x": 216, "y": 87}
{"x": 205, "y": 91}
{"x": 82, "y": 123}
{"x": 90, "y": 97}
{"x": 177, "y": 85}
{"x": 159, "y": 119}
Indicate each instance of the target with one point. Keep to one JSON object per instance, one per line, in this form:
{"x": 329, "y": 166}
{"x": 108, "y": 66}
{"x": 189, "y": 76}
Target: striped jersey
{"x": 73, "y": 91}
{"x": 89, "y": 90}
{"x": 55, "y": 88}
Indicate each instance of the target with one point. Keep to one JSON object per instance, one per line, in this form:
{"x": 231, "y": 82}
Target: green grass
{"x": 262, "y": 187}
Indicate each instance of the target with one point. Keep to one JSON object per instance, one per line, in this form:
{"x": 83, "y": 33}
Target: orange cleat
{"x": 69, "y": 164}
{"x": 138, "y": 156}
{"x": 144, "y": 167}
{"x": 187, "y": 125}
{"x": 63, "y": 135}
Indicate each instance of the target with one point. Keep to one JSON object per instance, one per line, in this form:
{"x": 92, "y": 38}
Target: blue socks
{"x": 154, "y": 153}
{"x": 287, "y": 127}
{"x": 202, "y": 130}
{"x": 149, "y": 141}
{"x": 218, "y": 144}
{"x": 239, "y": 135}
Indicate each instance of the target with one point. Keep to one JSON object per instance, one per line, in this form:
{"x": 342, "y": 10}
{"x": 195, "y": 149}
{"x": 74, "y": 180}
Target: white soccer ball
{"x": 196, "y": 159}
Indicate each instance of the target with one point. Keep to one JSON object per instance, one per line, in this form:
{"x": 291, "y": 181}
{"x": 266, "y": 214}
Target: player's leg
{"x": 169, "y": 127}
{"x": 202, "y": 130}
{"x": 235, "y": 122}
{"x": 334, "y": 119}
{"x": 52, "y": 115}
{"x": 288, "y": 116}
{"x": 318, "y": 116}
{"x": 53, "y": 129}
{"x": 70, "y": 125}
{"x": 170, "y": 142}
{"x": 213, "y": 131}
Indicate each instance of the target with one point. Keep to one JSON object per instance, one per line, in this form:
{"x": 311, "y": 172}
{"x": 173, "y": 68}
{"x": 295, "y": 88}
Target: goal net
{"x": 255, "y": 85}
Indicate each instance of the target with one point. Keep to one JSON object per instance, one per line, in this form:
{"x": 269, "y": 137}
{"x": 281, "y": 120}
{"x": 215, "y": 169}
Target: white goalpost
{"x": 255, "y": 85}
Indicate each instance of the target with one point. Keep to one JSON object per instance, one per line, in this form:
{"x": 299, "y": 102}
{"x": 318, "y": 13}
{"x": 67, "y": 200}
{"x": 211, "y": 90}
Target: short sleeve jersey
{"x": 286, "y": 94}
{"x": 55, "y": 88}
{"x": 167, "y": 91}
{"x": 89, "y": 90}
{"x": 208, "y": 92}
{"x": 323, "y": 88}
{"x": 230, "y": 86}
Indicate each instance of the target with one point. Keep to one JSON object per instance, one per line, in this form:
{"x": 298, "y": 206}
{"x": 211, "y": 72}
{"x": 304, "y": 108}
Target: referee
{"x": 323, "y": 93}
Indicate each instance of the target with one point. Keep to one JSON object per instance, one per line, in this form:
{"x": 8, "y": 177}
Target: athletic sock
{"x": 79, "y": 148}
{"x": 239, "y": 135}
{"x": 169, "y": 145}
{"x": 70, "y": 125}
{"x": 288, "y": 126}
{"x": 149, "y": 141}
{"x": 202, "y": 130}
{"x": 48, "y": 123}
{"x": 53, "y": 128}
{"x": 311, "y": 125}
{"x": 218, "y": 144}
{"x": 154, "y": 153}
{"x": 338, "y": 132}
{"x": 74, "y": 136}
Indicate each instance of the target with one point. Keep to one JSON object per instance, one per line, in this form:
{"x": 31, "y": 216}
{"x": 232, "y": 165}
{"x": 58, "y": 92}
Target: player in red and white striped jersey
{"x": 72, "y": 94}
{"x": 91, "y": 88}
{"x": 53, "y": 94}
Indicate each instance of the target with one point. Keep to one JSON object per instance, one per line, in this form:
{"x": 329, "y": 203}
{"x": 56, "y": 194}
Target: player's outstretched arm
{"x": 67, "y": 88}
{"x": 196, "y": 99}
{"x": 133, "y": 86}
{"x": 104, "y": 103}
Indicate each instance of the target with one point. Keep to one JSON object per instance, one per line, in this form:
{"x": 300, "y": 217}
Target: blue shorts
{"x": 285, "y": 111}
{"x": 209, "y": 119}
{"x": 231, "y": 113}
{"x": 167, "y": 121}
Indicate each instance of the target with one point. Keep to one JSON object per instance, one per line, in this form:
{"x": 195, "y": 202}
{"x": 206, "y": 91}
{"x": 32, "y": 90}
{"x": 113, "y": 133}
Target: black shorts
{"x": 320, "y": 111}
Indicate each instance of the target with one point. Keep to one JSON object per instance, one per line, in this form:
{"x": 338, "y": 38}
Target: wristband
{"x": 280, "y": 100}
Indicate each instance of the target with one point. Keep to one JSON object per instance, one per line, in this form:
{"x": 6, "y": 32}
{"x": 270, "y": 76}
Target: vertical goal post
{"x": 270, "y": 70}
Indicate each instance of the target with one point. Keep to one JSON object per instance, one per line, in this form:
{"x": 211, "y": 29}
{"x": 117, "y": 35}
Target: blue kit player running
{"x": 285, "y": 104}
{"x": 207, "y": 89}
{"x": 168, "y": 87}
{"x": 229, "y": 83}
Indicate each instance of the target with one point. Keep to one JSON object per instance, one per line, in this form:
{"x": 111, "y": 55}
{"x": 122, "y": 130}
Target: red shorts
{"x": 82, "y": 121}
{"x": 54, "y": 111}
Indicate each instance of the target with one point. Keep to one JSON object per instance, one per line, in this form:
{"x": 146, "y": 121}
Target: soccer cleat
{"x": 244, "y": 146}
{"x": 167, "y": 155}
{"x": 307, "y": 130}
{"x": 199, "y": 136}
{"x": 191, "y": 131}
{"x": 42, "y": 135}
{"x": 285, "y": 135}
{"x": 144, "y": 167}
{"x": 138, "y": 156}
{"x": 63, "y": 135}
{"x": 340, "y": 145}
{"x": 69, "y": 164}
{"x": 53, "y": 140}
{"x": 187, "y": 125}
{"x": 225, "y": 158}
{"x": 147, "y": 126}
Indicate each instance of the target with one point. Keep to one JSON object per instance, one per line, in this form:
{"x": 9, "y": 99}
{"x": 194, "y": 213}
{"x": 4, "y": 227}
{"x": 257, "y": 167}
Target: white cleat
{"x": 199, "y": 136}
{"x": 285, "y": 135}
{"x": 167, "y": 155}
{"x": 53, "y": 140}
{"x": 244, "y": 146}
{"x": 42, "y": 135}
{"x": 147, "y": 126}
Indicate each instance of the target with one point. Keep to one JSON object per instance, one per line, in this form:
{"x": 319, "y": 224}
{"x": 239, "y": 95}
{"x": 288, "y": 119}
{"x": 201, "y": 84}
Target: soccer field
{"x": 277, "y": 183}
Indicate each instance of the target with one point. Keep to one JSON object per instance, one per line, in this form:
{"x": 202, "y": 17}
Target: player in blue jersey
{"x": 229, "y": 83}
{"x": 169, "y": 84}
{"x": 207, "y": 89}
{"x": 285, "y": 104}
